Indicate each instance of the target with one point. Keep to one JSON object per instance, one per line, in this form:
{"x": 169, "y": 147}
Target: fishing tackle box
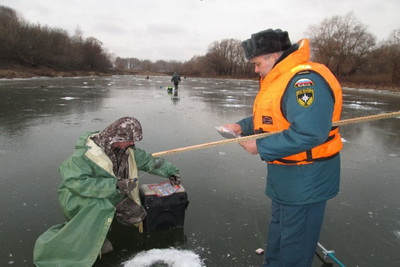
{"x": 163, "y": 212}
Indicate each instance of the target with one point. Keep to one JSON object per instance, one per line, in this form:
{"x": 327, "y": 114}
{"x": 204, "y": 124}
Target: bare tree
{"x": 224, "y": 56}
{"x": 342, "y": 43}
{"x": 193, "y": 66}
{"x": 390, "y": 50}
{"x": 94, "y": 56}
{"x": 10, "y": 24}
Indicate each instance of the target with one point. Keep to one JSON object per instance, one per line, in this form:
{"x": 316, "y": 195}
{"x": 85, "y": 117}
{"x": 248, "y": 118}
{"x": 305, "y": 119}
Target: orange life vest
{"x": 267, "y": 114}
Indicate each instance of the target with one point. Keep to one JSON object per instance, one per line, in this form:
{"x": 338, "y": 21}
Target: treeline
{"x": 342, "y": 43}
{"x": 224, "y": 59}
{"x": 35, "y": 45}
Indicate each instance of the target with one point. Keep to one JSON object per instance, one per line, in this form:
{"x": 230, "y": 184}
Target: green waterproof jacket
{"x": 87, "y": 195}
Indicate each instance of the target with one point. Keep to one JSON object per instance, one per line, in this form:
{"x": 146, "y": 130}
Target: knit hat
{"x": 266, "y": 42}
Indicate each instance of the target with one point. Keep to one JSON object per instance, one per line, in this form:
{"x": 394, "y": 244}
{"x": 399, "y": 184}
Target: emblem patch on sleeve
{"x": 304, "y": 82}
{"x": 305, "y": 97}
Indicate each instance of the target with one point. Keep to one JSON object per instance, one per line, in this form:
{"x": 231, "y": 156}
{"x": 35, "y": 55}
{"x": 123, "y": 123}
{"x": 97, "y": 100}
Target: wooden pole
{"x": 261, "y": 135}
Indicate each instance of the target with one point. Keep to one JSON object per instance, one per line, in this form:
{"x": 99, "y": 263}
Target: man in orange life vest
{"x": 302, "y": 99}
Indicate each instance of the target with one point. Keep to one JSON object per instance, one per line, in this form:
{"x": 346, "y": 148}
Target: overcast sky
{"x": 181, "y": 29}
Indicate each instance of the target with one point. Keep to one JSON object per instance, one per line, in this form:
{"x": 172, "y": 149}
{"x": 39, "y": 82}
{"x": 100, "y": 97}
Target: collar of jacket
{"x": 298, "y": 57}
{"x": 81, "y": 143}
{"x": 97, "y": 155}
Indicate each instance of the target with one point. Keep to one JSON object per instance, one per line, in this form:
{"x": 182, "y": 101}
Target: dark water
{"x": 41, "y": 119}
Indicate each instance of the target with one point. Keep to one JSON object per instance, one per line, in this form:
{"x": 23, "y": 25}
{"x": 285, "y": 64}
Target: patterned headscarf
{"x": 125, "y": 129}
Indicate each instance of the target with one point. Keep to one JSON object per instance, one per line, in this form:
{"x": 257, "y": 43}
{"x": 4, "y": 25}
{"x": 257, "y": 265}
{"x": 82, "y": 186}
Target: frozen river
{"x": 228, "y": 213}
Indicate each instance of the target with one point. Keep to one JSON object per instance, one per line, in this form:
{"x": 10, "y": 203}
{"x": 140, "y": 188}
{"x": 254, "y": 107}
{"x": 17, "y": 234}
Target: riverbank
{"x": 18, "y": 71}
{"x": 391, "y": 89}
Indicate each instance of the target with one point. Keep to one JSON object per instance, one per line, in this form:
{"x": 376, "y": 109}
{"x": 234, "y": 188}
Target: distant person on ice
{"x": 100, "y": 183}
{"x": 176, "y": 79}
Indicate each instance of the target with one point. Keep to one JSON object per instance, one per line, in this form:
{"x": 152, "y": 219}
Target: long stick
{"x": 257, "y": 136}
{"x": 331, "y": 254}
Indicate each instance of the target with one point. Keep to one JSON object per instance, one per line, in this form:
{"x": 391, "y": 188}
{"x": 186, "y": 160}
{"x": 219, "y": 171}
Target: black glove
{"x": 175, "y": 179}
{"x": 126, "y": 186}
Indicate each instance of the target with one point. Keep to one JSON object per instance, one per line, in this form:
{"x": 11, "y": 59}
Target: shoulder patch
{"x": 304, "y": 82}
{"x": 305, "y": 97}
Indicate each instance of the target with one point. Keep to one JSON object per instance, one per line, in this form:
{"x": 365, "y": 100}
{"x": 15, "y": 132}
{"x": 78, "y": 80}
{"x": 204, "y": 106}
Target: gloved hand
{"x": 175, "y": 179}
{"x": 126, "y": 186}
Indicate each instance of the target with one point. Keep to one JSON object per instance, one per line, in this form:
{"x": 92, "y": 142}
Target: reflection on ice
{"x": 68, "y": 98}
{"x": 359, "y": 106}
{"x": 362, "y": 105}
{"x": 397, "y": 233}
{"x": 232, "y": 105}
{"x": 165, "y": 257}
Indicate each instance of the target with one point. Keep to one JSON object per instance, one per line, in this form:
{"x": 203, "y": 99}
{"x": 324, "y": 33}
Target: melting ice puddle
{"x": 359, "y": 106}
{"x": 233, "y": 105}
{"x": 68, "y": 98}
{"x": 397, "y": 233}
{"x": 167, "y": 257}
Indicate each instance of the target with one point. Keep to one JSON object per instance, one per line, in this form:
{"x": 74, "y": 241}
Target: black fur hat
{"x": 266, "y": 42}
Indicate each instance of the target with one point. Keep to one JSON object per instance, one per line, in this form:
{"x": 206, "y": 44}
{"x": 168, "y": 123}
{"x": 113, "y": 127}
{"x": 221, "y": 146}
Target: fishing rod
{"x": 261, "y": 135}
{"x": 331, "y": 254}
{"x": 158, "y": 162}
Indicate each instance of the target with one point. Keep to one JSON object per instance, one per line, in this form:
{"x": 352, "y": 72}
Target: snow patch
{"x": 168, "y": 257}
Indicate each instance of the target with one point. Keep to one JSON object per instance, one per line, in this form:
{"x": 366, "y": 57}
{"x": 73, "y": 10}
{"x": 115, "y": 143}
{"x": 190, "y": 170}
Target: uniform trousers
{"x": 293, "y": 234}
